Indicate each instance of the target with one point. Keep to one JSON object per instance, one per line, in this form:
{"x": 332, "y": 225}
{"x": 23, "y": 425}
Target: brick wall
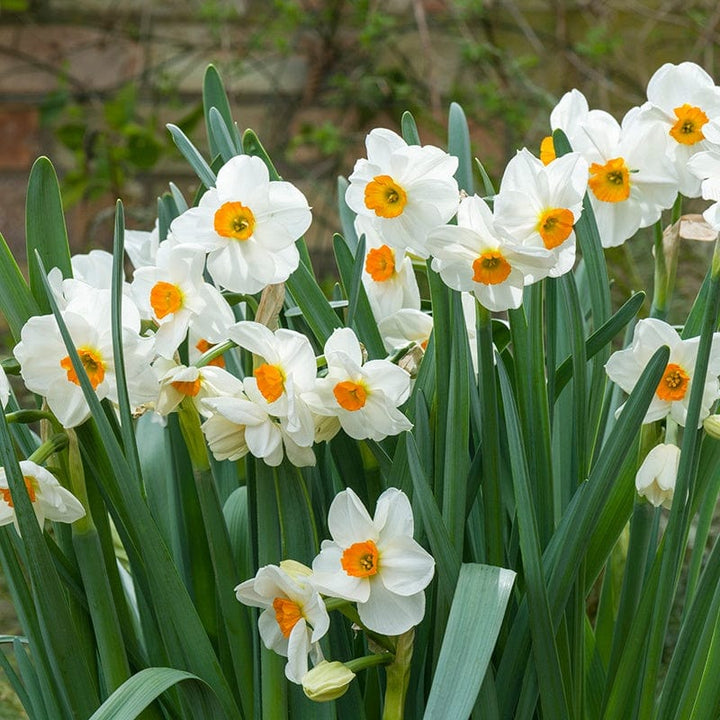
{"x": 516, "y": 57}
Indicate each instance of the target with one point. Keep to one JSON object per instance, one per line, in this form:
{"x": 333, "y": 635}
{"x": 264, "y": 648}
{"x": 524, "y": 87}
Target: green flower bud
{"x": 712, "y": 426}
{"x": 327, "y": 681}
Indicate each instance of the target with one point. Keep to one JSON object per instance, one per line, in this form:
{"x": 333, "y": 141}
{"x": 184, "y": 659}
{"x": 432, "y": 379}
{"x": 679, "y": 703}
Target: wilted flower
{"x": 294, "y": 617}
{"x": 49, "y": 499}
{"x": 375, "y": 561}
{"x": 655, "y": 478}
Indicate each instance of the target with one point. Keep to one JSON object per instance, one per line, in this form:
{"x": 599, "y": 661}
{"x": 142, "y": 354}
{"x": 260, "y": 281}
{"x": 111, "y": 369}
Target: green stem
{"x": 350, "y": 612}
{"x": 398, "y": 677}
{"x": 56, "y": 443}
{"x": 366, "y": 661}
{"x": 490, "y": 431}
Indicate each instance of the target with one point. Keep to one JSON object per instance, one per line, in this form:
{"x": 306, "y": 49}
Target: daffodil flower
{"x": 364, "y": 397}
{"x": 294, "y": 617}
{"x": 375, "y": 562}
{"x": 47, "y": 369}
{"x": 248, "y": 225}
{"x": 684, "y": 101}
{"x": 473, "y": 256}
{"x": 402, "y": 191}
{"x": 49, "y": 499}
{"x": 174, "y": 295}
{"x": 673, "y": 391}
{"x": 538, "y": 205}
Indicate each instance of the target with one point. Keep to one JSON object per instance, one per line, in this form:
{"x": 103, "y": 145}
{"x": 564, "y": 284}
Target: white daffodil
{"x": 538, "y": 205}
{"x": 142, "y": 246}
{"x": 178, "y": 382}
{"x": 706, "y": 167}
{"x": 684, "y": 101}
{"x": 656, "y": 477}
{"x": 365, "y": 397}
{"x": 288, "y": 370}
{"x": 473, "y": 256}
{"x": 50, "y": 500}
{"x": 403, "y": 190}
{"x": 4, "y": 388}
{"x": 249, "y": 424}
{"x": 174, "y": 295}
{"x": 375, "y": 561}
{"x": 47, "y": 369}
{"x": 388, "y": 278}
{"x": 631, "y": 179}
{"x": 673, "y": 391}
{"x": 405, "y": 326}
{"x": 294, "y": 617}
{"x": 248, "y": 224}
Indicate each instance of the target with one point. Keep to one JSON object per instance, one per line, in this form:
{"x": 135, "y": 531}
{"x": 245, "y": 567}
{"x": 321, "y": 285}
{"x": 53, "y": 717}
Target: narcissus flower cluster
{"x": 371, "y": 561}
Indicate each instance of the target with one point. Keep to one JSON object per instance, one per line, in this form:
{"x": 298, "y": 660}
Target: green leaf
{"x": 360, "y": 316}
{"x": 16, "y": 301}
{"x": 476, "y": 615}
{"x": 314, "y": 306}
{"x": 409, "y": 129}
{"x": 347, "y": 216}
{"x": 136, "y": 693}
{"x": 221, "y": 138}
{"x": 214, "y": 96}
{"x": 192, "y": 155}
{"x": 45, "y": 228}
{"x": 459, "y": 146}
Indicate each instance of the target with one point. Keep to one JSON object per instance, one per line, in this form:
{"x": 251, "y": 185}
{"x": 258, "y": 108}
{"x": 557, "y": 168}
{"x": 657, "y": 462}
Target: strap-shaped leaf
{"x": 45, "y": 229}
{"x": 192, "y": 155}
{"x": 475, "y": 618}
{"x": 214, "y": 96}
{"x": 16, "y": 300}
{"x": 136, "y": 693}
{"x": 459, "y": 146}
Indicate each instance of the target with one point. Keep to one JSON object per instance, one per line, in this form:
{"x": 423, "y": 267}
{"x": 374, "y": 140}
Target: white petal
{"x": 391, "y": 614}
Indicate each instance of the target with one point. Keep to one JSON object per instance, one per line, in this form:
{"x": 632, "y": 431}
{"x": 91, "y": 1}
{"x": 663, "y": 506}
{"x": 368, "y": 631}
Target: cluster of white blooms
{"x": 373, "y": 562}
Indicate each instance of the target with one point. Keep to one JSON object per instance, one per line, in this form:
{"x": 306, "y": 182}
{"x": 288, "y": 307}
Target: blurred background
{"x": 91, "y": 84}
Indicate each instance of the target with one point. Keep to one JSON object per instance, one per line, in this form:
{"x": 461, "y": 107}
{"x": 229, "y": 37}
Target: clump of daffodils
{"x": 373, "y": 562}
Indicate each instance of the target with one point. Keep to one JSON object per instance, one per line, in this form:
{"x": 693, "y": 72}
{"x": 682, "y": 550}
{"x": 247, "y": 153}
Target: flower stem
{"x": 398, "y": 677}
{"x": 366, "y": 661}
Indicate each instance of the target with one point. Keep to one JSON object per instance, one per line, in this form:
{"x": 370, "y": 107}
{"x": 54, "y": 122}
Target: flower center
{"x": 270, "y": 381}
{"x": 687, "y": 130}
{"x": 491, "y": 268}
{"x": 187, "y": 387}
{"x": 555, "y": 226}
{"x": 29, "y": 486}
{"x": 547, "y": 150}
{"x": 380, "y": 263}
{"x": 385, "y": 197}
{"x": 610, "y": 182}
{"x": 361, "y": 559}
{"x": 350, "y": 396}
{"x": 91, "y": 361}
{"x": 165, "y": 299}
{"x": 287, "y": 614}
{"x": 234, "y": 220}
{"x": 674, "y": 383}
{"x": 203, "y": 346}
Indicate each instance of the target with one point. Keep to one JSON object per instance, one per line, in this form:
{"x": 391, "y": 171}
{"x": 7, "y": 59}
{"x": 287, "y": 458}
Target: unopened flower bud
{"x": 656, "y": 477}
{"x": 712, "y": 426}
{"x": 327, "y": 681}
{"x": 296, "y": 570}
